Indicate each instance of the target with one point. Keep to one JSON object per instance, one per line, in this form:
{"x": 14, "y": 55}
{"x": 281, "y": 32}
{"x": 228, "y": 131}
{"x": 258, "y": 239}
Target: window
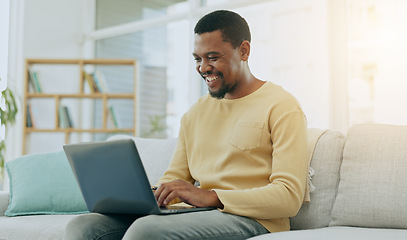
{"x": 162, "y": 54}
{"x": 377, "y": 62}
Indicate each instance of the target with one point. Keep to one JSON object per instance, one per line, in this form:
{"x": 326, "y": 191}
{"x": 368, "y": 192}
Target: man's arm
{"x": 177, "y": 182}
{"x": 178, "y": 168}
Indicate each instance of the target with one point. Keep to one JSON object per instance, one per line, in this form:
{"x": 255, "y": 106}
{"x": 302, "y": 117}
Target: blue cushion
{"x": 43, "y": 184}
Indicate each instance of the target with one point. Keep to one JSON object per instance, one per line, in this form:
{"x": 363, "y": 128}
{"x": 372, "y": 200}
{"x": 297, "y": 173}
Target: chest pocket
{"x": 247, "y": 135}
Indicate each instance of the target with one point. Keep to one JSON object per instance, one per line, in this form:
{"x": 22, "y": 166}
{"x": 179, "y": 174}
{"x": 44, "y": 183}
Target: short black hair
{"x": 233, "y": 27}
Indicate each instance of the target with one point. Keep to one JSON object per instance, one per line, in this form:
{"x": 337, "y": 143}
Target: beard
{"x": 223, "y": 90}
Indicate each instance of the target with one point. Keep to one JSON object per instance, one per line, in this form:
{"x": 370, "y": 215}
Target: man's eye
{"x": 197, "y": 59}
{"x": 213, "y": 58}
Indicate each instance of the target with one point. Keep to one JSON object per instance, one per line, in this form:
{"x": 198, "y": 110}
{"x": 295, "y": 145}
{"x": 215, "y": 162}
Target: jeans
{"x": 196, "y": 225}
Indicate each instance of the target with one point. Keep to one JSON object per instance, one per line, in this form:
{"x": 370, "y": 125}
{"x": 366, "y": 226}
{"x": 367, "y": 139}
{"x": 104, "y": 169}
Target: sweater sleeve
{"x": 283, "y": 196}
{"x": 178, "y": 168}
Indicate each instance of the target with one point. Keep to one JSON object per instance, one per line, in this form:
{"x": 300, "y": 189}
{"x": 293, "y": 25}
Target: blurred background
{"x": 344, "y": 60}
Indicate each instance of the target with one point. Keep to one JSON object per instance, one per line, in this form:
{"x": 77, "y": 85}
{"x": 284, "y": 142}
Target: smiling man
{"x": 245, "y": 143}
{"x": 221, "y": 60}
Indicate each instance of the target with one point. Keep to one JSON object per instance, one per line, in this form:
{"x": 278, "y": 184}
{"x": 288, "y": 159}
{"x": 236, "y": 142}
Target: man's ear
{"x": 245, "y": 50}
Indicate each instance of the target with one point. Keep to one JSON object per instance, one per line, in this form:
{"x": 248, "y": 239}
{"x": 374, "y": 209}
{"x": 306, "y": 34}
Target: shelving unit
{"x": 79, "y": 95}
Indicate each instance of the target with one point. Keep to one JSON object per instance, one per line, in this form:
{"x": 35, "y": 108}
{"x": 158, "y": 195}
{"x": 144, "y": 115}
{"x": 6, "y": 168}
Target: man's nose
{"x": 205, "y": 67}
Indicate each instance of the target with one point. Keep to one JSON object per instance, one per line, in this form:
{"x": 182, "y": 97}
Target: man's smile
{"x": 211, "y": 79}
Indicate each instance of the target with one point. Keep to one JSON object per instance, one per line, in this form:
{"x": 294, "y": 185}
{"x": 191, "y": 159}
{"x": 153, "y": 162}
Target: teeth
{"x": 211, "y": 79}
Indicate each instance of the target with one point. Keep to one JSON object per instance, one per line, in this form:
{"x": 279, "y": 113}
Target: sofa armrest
{"x": 4, "y": 199}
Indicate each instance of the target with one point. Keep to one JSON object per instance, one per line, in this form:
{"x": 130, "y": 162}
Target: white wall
{"x": 52, "y": 29}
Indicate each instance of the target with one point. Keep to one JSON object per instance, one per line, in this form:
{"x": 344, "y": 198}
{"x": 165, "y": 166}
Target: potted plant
{"x": 158, "y": 127}
{"x": 8, "y": 112}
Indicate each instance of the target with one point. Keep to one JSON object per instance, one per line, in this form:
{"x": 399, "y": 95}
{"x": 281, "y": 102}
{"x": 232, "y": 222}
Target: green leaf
{"x": 7, "y": 117}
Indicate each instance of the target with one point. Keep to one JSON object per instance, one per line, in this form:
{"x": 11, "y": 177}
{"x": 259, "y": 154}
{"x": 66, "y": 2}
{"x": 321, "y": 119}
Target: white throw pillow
{"x": 372, "y": 190}
{"x": 325, "y": 162}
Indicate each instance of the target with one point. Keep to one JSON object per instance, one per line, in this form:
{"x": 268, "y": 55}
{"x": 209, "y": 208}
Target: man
{"x": 245, "y": 143}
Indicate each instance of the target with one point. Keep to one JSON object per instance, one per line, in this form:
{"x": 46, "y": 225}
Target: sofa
{"x": 358, "y": 188}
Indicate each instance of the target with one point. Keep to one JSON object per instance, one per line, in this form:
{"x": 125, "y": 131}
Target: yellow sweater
{"x": 252, "y": 151}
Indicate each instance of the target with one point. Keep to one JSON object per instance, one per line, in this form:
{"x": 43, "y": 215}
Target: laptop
{"x": 112, "y": 179}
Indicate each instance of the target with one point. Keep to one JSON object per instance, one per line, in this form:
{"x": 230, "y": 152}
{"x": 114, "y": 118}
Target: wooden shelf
{"x": 56, "y": 98}
{"x": 80, "y": 95}
{"x": 83, "y": 61}
{"x": 75, "y": 130}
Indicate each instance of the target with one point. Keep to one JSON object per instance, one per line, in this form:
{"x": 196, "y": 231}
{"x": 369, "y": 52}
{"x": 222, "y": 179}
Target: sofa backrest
{"x": 373, "y": 187}
{"x": 155, "y": 154}
{"x": 4, "y": 199}
{"x": 326, "y": 162}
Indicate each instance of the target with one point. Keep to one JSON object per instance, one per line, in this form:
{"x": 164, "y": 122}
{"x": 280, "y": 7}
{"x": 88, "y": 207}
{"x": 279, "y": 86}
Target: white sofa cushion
{"x": 337, "y": 233}
{"x": 325, "y": 162}
{"x": 44, "y": 227}
{"x": 155, "y": 154}
{"x": 4, "y": 200}
{"x": 373, "y": 187}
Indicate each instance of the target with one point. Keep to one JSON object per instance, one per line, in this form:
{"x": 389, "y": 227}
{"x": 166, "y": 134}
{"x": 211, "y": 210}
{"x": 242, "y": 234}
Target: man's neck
{"x": 245, "y": 88}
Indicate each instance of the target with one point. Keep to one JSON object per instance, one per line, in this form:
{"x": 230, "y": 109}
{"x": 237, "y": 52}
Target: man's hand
{"x": 188, "y": 193}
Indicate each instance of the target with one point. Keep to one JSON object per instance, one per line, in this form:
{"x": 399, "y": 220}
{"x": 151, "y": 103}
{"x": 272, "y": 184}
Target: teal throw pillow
{"x": 43, "y": 184}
